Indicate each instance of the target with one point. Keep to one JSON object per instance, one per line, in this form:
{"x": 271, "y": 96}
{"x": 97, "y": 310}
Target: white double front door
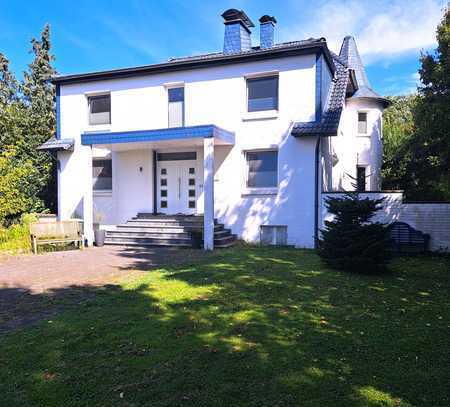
{"x": 177, "y": 187}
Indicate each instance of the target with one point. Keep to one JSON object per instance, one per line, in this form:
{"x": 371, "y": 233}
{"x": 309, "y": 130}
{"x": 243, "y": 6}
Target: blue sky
{"x": 97, "y": 35}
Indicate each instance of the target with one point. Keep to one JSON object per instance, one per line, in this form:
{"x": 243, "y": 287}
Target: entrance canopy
{"x": 180, "y": 135}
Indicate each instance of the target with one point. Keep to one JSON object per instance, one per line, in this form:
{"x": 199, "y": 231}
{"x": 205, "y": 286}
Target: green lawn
{"x": 242, "y": 327}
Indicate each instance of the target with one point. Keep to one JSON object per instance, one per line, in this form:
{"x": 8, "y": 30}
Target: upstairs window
{"x": 176, "y": 107}
{"x": 262, "y": 94}
{"x": 102, "y": 174}
{"x": 99, "y": 109}
{"x": 361, "y": 178}
{"x": 362, "y": 123}
{"x": 262, "y": 169}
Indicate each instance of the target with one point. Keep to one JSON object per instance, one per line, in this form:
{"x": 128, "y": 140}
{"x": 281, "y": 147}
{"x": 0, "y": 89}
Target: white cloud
{"x": 383, "y": 29}
{"x": 401, "y": 84}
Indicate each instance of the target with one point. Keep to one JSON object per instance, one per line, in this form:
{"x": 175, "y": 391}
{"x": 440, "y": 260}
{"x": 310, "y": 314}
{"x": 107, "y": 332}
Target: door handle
{"x": 179, "y": 188}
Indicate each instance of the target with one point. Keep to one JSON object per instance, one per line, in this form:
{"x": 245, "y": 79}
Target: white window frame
{"x": 174, "y": 85}
{"x": 261, "y": 114}
{"x": 103, "y": 126}
{"x": 103, "y": 191}
{"x": 366, "y": 134}
{"x": 259, "y": 190}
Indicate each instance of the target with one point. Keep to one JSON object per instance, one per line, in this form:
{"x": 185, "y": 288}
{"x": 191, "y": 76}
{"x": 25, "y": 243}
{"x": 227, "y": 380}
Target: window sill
{"x": 260, "y": 191}
{"x": 93, "y": 128}
{"x": 102, "y": 193}
{"x": 363, "y": 135}
{"x": 262, "y": 115}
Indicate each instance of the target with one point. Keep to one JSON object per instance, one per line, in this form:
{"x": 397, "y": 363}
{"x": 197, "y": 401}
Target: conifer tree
{"x": 351, "y": 241}
{"x": 39, "y": 99}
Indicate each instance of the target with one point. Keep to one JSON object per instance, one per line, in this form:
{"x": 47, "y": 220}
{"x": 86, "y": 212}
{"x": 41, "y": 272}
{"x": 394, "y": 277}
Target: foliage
{"x": 398, "y": 131}
{"x": 431, "y": 155}
{"x": 239, "y": 327}
{"x": 27, "y": 119}
{"x": 17, "y": 187}
{"x": 350, "y": 241}
{"x": 417, "y": 129}
{"x": 16, "y": 238}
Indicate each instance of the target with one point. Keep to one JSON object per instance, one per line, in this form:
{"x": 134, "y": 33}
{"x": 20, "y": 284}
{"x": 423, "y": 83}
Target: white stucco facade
{"x": 217, "y": 95}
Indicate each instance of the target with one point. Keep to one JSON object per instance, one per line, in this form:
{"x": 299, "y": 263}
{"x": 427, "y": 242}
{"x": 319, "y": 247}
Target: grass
{"x": 242, "y": 327}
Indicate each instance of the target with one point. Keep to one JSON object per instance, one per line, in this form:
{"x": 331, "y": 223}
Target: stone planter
{"x": 99, "y": 236}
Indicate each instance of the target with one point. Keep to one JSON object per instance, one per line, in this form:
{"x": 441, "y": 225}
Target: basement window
{"x": 274, "y": 235}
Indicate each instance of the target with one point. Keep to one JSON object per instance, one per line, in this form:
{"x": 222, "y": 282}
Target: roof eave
{"x": 271, "y": 53}
{"x": 385, "y": 102}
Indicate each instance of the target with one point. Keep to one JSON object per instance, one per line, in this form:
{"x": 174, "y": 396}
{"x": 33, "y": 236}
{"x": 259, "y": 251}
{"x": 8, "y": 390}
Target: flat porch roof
{"x": 220, "y": 136}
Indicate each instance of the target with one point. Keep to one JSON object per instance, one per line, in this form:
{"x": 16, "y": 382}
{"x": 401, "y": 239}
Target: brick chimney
{"x": 266, "y": 31}
{"x": 237, "y": 31}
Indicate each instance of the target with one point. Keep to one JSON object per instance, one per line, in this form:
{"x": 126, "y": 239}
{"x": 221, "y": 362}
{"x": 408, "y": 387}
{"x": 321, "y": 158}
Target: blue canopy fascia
{"x": 176, "y": 133}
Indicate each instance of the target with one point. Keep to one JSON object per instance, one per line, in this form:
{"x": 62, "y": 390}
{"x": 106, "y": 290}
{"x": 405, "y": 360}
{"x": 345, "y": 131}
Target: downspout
{"x": 316, "y": 192}
{"x": 155, "y": 178}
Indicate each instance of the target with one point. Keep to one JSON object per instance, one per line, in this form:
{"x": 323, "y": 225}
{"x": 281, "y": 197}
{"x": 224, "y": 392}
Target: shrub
{"x": 350, "y": 241}
{"x": 16, "y": 238}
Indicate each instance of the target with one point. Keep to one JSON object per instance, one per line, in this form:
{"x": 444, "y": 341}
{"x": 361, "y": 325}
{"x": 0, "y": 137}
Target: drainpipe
{"x": 316, "y": 193}
{"x": 155, "y": 188}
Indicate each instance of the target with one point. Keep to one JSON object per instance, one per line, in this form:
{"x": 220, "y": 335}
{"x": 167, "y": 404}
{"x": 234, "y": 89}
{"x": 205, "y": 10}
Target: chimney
{"x": 237, "y": 31}
{"x": 266, "y": 31}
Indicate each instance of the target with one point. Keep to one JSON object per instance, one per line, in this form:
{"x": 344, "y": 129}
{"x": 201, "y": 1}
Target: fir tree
{"x": 8, "y": 83}
{"x": 39, "y": 99}
{"x": 350, "y": 241}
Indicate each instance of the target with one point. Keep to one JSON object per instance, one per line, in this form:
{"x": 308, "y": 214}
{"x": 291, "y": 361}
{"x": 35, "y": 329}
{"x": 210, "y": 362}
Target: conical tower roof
{"x": 349, "y": 53}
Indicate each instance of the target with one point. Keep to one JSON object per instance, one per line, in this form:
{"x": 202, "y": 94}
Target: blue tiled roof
{"x": 174, "y": 133}
{"x": 348, "y": 60}
{"x": 329, "y": 122}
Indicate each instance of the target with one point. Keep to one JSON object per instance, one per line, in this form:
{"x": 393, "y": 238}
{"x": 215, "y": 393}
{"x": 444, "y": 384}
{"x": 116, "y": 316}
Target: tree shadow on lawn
{"x": 242, "y": 327}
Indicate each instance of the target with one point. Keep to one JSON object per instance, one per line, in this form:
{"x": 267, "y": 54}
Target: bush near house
{"x": 16, "y": 238}
{"x": 349, "y": 241}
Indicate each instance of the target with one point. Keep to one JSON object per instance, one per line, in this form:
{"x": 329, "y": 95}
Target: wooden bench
{"x": 56, "y": 232}
{"x": 405, "y": 238}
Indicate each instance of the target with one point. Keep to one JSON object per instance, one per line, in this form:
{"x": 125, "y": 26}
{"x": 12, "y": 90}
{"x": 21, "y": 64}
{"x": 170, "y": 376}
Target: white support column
{"x": 88, "y": 201}
{"x": 208, "y": 193}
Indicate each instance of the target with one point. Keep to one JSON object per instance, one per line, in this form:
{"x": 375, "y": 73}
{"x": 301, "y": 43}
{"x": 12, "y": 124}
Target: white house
{"x": 249, "y": 137}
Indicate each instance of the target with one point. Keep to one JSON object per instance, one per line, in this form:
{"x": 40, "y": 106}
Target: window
{"x": 262, "y": 94}
{"x": 362, "y": 123}
{"x": 102, "y": 174}
{"x": 188, "y": 155}
{"x": 99, "y": 109}
{"x": 361, "y": 179}
{"x": 176, "y": 107}
{"x": 262, "y": 169}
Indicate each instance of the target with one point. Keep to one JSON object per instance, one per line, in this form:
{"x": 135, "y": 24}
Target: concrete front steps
{"x": 164, "y": 230}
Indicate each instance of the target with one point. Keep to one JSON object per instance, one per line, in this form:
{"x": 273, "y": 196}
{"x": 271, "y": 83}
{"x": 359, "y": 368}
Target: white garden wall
{"x": 431, "y": 218}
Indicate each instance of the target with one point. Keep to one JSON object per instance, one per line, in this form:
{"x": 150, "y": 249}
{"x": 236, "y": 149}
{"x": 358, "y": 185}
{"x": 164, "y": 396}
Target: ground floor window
{"x": 102, "y": 174}
{"x": 361, "y": 178}
{"x": 262, "y": 169}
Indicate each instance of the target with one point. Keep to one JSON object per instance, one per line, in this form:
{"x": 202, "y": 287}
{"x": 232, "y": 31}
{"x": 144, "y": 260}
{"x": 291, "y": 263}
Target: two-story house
{"x": 248, "y": 137}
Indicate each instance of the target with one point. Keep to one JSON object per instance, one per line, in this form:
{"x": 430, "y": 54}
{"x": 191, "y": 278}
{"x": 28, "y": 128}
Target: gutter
{"x": 316, "y": 194}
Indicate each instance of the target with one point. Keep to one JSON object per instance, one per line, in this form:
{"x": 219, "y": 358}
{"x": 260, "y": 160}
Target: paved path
{"x": 32, "y": 286}
{"x": 94, "y": 265}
